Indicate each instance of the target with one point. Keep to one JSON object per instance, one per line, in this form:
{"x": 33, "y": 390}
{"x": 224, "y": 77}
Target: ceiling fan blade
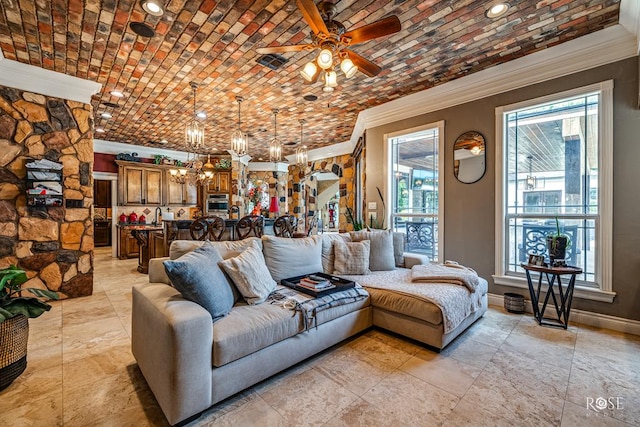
{"x": 367, "y": 67}
{"x": 311, "y": 14}
{"x": 280, "y": 49}
{"x": 383, "y": 27}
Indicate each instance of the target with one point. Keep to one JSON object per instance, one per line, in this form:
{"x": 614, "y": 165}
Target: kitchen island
{"x": 133, "y": 239}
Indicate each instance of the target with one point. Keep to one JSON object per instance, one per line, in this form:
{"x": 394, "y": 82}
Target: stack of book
{"x": 316, "y": 283}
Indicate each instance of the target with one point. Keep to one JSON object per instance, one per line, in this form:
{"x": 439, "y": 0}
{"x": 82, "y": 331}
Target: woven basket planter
{"x": 14, "y": 334}
{"x": 514, "y": 303}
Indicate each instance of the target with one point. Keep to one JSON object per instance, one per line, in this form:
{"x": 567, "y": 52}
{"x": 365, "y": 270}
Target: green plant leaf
{"x": 4, "y": 315}
{"x": 42, "y": 293}
{"x": 12, "y": 277}
{"x": 30, "y": 307}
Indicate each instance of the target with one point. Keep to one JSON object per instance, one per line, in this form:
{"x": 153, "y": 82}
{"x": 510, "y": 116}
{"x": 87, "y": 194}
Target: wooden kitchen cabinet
{"x": 140, "y": 185}
{"x": 180, "y": 194}
{"x": 220, "y": 183}
{"x": 128, "y": 246}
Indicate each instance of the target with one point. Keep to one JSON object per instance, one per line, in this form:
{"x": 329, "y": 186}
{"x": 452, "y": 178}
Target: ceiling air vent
{"x": 272, "y": 61}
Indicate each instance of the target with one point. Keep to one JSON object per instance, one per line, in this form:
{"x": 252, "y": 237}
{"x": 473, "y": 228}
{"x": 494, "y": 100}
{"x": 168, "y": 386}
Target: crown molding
{"x": 630, "y": 18}
{"x": 46, "y": 82}
{"x": 268, "y": 167}
{"x": 593, "y": 50}
{"x": 326, "y": 152}
{"x": 110, "y": 147}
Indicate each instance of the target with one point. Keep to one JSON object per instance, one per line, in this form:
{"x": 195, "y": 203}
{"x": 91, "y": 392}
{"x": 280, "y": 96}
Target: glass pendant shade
{"x": 309, "y": 71}
{"x": 330, "y": 81}
{"x": 239, "y": 140}
{"x": 194, "y": 135}
{"x": 194, "y": 132}
{"x": 302, "y": 155}
{"x": 348, "y": 67}
{"x": 325, "y": 59}
{"x": 275, "y": 147}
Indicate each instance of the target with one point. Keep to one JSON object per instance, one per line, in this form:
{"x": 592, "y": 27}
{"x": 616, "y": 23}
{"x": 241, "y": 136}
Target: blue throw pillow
{"x": 197, "y": 276}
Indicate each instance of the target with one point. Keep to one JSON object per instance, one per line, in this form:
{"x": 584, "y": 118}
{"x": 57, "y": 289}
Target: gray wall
{"x": 470, "y": 208}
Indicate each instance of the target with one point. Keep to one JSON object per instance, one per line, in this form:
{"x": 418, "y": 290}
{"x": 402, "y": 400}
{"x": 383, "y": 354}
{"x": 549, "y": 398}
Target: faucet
{"x": 155, "y": 219}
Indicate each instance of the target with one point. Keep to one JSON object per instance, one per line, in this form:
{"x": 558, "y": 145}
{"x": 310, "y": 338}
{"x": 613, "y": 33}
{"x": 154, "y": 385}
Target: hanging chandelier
{"x": 194, "y": 132}
{"x": 275, "y": 147}
{"x": 196, "y": 174}
{"x": 302, "y": 155}
{"x": 239, "y": 140}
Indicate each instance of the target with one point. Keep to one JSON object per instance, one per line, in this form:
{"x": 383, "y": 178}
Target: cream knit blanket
{"x": 449, "y": 272}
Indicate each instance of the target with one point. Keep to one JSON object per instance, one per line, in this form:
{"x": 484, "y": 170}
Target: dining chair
{"x": 207, "y": 228}
{"x": 250, "y": 225}
{"x": 285, "y": 226}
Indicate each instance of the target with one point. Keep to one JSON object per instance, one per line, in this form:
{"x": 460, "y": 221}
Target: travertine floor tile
{"x": 443, "y": 372}
{"x": 362, "y": 414}
{"x": 309, "y": 398}
{"x": 411, "y": 400}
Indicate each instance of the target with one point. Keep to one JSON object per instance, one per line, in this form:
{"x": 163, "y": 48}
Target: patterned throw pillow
{"x": 351, "y": 257}
{"x": 250, "y": 275}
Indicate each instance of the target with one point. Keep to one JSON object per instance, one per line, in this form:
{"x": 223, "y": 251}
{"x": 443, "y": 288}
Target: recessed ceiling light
{"x": 163, "y": 141}
{"x": 202, "y": 115}
{"x": 152, "y": 7}
{"x": 105, "y": 115}
{"x": 117, "y": 93}
{"x": 496, "y": 10}
{"x": 99, "y": 130}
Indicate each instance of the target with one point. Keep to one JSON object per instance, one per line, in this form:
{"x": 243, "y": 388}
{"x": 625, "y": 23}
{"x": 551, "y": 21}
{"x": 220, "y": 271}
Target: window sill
{"x": 581, "y": 292}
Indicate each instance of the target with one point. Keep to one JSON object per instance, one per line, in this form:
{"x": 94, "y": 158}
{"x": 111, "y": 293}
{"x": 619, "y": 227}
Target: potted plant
{"x": 15, "y": 310}
{"x": 557, "y": 244}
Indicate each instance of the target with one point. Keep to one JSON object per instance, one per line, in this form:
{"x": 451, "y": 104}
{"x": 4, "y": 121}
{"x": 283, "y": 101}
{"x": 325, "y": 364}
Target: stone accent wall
{"x": 56, "y": 248}
{"x": 344, "y": 167}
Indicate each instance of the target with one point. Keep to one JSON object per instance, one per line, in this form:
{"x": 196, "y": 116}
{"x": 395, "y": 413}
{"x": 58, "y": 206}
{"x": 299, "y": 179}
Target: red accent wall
{"x": 106, "y": 162}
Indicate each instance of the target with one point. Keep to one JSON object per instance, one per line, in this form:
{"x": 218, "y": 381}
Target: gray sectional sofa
{"x": 191, "y": 363}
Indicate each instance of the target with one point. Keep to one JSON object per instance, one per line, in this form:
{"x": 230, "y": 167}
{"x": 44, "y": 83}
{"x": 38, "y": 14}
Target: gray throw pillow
{"x": 398, "y": 248}
{"x": 198, "y": 278}
{"x": 351, "y": 257}
{"x": 250, "y": 275}
{"x": 328, "y": 254}
{"x": 382, "y": 257}
{"x": 287, "y": 257}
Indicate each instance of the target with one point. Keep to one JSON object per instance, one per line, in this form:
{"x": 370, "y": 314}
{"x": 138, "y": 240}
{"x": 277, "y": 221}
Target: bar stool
{"x": 207, "y": 228}
{"x": 250, "y": 225}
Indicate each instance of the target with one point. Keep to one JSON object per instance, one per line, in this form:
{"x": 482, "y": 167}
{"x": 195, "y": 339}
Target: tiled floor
{"x": 505, "y": 370}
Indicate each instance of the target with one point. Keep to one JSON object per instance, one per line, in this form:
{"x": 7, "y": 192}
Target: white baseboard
{"x": 598, "y": 320}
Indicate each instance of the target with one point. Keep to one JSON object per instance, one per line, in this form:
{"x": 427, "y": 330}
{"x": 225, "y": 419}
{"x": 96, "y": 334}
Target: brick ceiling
{"x": 213, "y": 44}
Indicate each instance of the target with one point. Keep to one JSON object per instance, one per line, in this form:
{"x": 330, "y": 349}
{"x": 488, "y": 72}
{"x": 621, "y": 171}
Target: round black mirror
{"x": 469, "y": 157}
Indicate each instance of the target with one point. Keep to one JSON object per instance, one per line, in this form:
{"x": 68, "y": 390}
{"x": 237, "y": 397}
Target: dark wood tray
{"x": 339, "y": 283}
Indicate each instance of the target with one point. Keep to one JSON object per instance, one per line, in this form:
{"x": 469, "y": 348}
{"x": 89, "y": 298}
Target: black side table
{"x": 565, "y": 296}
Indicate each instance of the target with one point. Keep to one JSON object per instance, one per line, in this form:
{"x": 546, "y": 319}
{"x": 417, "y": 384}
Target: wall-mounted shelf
{"x": 44, "y": 188}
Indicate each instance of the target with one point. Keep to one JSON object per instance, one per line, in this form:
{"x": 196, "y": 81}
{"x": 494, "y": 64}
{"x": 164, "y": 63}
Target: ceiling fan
{"x": 334, "y": 41}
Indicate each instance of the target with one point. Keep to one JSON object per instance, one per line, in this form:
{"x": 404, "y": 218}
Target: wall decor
{"x": 469, "y": 162}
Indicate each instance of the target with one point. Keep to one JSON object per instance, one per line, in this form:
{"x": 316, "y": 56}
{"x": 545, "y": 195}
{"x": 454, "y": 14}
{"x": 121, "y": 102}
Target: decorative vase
{"x": 14, "y": 335}
{"x": 557, "y": 247}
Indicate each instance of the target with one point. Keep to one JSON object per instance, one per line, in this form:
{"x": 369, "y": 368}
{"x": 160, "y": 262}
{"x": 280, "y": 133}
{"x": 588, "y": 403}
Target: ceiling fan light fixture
{"x": 152, "y": 7}
{"x": 309, "y": 71}
{"x": 496, "y": 10}
{"x": 348, "y": 67}
{"x": 325, "y": 59}
{"x": 331, "y": 79}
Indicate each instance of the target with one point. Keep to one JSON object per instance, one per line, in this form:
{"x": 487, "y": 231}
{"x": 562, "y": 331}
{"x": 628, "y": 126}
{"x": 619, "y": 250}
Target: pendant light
{"x": 302, "y": 154}
{"x": 239, "y": 140}
{"x": 194, "y": 132}
{"x": 275, "y": 147}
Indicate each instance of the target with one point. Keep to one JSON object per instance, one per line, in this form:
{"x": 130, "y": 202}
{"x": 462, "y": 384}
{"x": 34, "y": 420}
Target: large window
{"x": 416, "y": 188}
{"x": 555, "y": 159}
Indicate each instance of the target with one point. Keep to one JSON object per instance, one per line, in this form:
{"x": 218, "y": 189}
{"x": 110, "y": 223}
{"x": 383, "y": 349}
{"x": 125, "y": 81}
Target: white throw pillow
{"x": 286, "y": 257}
{"x": 351, "y": 257}
{"x": 250, "y": 275}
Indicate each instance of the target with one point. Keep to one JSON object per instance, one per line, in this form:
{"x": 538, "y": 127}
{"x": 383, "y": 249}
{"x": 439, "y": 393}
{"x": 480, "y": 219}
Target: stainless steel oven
{"x": 217, "y": 204}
